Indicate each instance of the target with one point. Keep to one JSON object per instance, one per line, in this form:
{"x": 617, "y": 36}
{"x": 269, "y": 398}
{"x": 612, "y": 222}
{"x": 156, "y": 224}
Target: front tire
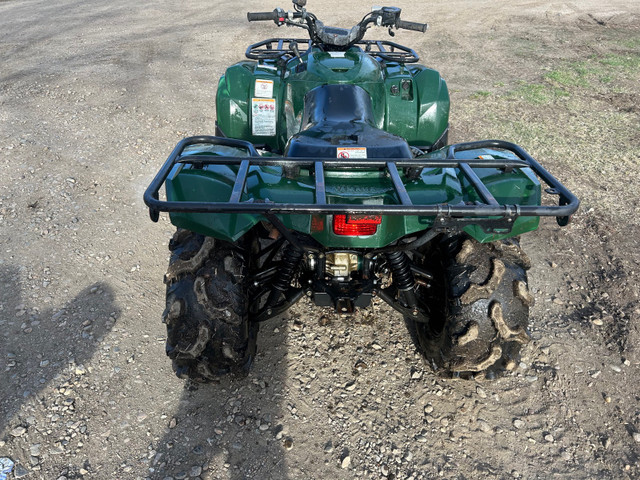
{"x": 208, "y": 329}
{"x": 481, "y": 315}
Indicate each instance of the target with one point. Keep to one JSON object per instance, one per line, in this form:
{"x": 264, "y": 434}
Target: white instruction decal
{"x": 263, "y": 117}
{"x": 352, "y": 152}
{"x": 264, "y": 88}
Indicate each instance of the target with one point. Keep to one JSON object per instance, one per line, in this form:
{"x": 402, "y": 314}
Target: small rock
{"x": 346, "y": 462}
{"x": 549, "y": 438}
{"x": 481, "y": 393}
{"x": 198, "y": 450}
{"x": 417, "y": 375}
{"x": 636, "y": 437}
{"x": 20, "y": 471}
{"x": 531, "y": 378}
{"x": 518, "y": 423}
{"x": 615, "y": 368}
{"x": 428, "y": 409}
{"x": 56, "y": 450}
{"x": 598, "y": 322}
{"x": 18, "y": 431}
{"x": 173, "y": 422}
{"x": 288, "y": 443}
{"x": 328, "y": 447}
{"x": 35, "y": 450}
{"x": 484, "y": 426}
{"x": 196, "y": 471}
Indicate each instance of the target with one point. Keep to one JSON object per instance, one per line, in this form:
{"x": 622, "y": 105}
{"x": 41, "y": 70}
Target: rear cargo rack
{"x": 487, "y": 210}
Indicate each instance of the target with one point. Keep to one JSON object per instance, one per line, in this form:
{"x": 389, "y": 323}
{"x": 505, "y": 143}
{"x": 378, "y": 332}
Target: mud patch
{"x": 477, "y": 292}
{"x": 623, "y": 102}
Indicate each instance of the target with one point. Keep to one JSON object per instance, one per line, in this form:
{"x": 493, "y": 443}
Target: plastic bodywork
{"x": 214, "y": 183}
{"x": 406, "y": 102}
{"x": 410, "y": 101}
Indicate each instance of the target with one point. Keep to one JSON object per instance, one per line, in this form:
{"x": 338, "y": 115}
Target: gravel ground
{"x": 94, "y": 95}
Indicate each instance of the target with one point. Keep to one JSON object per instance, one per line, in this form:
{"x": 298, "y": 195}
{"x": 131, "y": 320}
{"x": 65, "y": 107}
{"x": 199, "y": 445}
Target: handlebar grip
{"x": 415, "y": 26}
{"x": 261, "y": 16}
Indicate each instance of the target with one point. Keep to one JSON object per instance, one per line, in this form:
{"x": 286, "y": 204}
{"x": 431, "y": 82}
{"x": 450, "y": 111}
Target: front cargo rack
{"x": 488, "y": 210}
{"x": 274, "y": 48}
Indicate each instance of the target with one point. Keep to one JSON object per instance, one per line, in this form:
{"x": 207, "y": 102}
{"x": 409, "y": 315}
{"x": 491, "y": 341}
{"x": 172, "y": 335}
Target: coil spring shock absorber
{"x": 403, "y": 277}
{"x": 291, "y": 258}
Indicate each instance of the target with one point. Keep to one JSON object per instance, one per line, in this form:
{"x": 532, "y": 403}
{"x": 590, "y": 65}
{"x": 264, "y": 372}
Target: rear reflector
{"x": 355, "y": 225}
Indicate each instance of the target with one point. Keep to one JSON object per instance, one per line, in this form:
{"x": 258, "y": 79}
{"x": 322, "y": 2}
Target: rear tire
{"x": 481, "y": 315}
{"x": 208, "y": 329}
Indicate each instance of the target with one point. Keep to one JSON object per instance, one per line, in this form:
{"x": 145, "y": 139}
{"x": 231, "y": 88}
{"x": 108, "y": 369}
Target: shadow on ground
{"x": 39, "y": 345}
{"x": 232, "y": 429}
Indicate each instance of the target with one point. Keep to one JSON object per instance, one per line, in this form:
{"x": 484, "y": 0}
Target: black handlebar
{"x": 415, "y": 26}
{"x": 336, "y": 37}
{"x": 262, "y": 16}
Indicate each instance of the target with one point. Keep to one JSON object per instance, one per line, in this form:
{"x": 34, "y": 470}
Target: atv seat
{"x": 338, "y": 121}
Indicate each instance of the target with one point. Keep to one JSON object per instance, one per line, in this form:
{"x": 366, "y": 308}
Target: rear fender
{"x": 435, "y": 186}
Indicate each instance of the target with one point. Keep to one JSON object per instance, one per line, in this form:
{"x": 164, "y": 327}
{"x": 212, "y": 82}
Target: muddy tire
{"x": 481, "y": 314}
{"x": 208, "y": 329}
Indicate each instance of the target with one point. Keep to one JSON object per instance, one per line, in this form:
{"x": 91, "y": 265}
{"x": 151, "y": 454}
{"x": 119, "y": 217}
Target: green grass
{"x": 625, "y": 62}
{"x": 632, "y": 43}
{"x": 480, "y": 94}
{"x": 595, "y": 73}
{"x": 537, "y": 93}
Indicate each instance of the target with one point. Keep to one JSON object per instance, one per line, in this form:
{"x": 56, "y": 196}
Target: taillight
{"x": 355, "y": 225}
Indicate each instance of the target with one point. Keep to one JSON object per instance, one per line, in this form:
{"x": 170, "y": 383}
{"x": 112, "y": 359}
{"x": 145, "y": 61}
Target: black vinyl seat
{"x": 342, "y": 116}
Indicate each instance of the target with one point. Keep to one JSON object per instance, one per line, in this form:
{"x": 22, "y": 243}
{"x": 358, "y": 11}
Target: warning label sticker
{"x": 264, "y": 88}
{"x": 263, "y": 117}
{"x": 352, "y": 152}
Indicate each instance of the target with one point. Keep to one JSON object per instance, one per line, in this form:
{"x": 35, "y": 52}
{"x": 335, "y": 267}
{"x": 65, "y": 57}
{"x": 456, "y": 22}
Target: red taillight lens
{"x": 354, "y": 225}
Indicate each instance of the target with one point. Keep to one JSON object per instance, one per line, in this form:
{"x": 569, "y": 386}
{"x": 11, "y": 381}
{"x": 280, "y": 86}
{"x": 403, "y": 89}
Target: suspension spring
{"x": 291, "y": 258}
{"x": 402, "y": 277}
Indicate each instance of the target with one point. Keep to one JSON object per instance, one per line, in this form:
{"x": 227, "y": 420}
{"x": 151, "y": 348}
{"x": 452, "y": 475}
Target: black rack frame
{"x": 274, "y": 48}
{"x": 446, "y": 215}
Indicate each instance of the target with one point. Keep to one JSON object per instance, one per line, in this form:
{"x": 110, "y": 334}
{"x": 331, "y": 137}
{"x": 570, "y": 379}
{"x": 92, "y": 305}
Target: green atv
{"x": 330, "y": 177}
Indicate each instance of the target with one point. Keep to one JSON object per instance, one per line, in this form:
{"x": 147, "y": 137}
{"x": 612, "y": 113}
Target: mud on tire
{"x": 208, "y": 329}
{"x": 482, "y": 322}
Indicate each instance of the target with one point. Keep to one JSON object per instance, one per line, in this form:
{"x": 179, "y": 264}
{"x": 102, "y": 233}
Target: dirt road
{"x": 94, "y": 95}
